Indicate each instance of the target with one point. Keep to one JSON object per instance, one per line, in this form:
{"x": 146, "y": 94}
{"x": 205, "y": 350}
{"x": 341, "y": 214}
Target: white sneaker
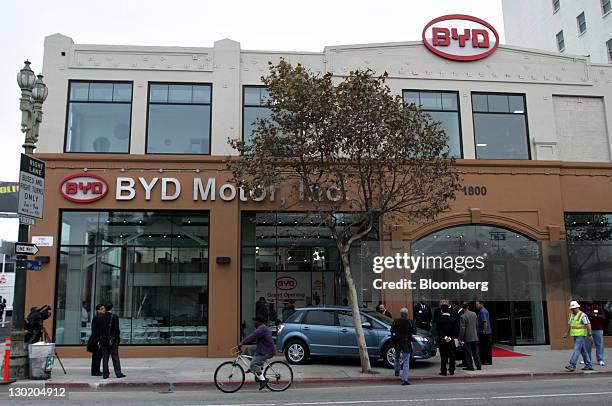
{"x": 601, "y": 363}
{"x": 582, "y": 362}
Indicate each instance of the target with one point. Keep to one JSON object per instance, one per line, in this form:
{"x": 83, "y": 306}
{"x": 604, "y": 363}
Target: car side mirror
{"x": 366, "y": 324}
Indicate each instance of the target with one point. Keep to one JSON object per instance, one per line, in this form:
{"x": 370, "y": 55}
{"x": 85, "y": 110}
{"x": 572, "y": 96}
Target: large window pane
{"x": 450, "y": 124}
{"x": 251, "y": 114}
{"x": 179, "y": 129}
{"x": 98, "y": 127}
{"x": 500, "y": 136}
{"x": 159, "y": 290}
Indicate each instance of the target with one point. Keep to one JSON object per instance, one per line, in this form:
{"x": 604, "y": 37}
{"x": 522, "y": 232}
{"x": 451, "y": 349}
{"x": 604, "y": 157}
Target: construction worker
{"x": 579, "y": 327}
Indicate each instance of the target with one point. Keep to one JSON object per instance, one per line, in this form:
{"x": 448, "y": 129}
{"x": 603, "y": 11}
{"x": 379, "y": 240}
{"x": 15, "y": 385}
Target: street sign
{"x": 34, "y": 266}
{"x": 29, "y": 221}
{"x": 22, "y": 248}
{"x": 31, "y": 187}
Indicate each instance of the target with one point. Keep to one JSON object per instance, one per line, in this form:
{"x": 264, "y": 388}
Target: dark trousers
{"x": 96, "y": 358}
{"x": 472, "y": 353}
{"x": 113, "y": 352}
{"x": 486, "y": 355}
{"x": 447, "y": 356}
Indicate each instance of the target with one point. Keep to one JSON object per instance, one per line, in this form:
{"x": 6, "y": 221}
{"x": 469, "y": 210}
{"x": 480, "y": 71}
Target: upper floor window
{"x": 581, "y": 21}
{"x": 560, "y": 41}
{"x": 444, "y": 108}
{"x": 179, "y": 118}
{"x": 609, "y": 45}
{"x": 253, "y": 107}
{"x": 500, "y": 126}
{"x": 99, "y": 115}
{"x": 556, "y": 5}
{"x": 606, "y": 6}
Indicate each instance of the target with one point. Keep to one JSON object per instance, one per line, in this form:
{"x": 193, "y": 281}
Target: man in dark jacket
{"x": 468, "y": 334}
{"x": 263, "y": 349}
{"x": 98, "y": 325}
{"x": 422, "y": 315}
{"x": 402, "y": 330}
{"x": 110, "y": 343}
{"x": 446, "y": 338}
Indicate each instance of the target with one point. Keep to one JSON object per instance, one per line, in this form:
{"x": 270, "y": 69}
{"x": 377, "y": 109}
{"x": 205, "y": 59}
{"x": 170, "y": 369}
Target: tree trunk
{"x": 354, "y": 302}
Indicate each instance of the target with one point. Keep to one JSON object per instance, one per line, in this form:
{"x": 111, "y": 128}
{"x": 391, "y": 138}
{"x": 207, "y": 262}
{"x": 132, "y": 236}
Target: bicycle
{"x": 230, "y": 375}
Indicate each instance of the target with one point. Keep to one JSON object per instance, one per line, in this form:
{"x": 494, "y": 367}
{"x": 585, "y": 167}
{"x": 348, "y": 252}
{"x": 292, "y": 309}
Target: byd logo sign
{"x": 83, "y": 188}
{"x": 460, "y": 37}
{"x": 286, "y": 283}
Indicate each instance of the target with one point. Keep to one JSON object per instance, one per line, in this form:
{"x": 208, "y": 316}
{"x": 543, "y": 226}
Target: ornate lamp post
{"x": 33, "y": 94}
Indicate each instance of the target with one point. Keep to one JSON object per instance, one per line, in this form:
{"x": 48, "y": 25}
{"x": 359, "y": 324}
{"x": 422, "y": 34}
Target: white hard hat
{"x": 574, "y": 305}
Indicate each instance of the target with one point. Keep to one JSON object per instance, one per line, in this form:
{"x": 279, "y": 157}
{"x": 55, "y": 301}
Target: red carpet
{"x": 500, "y": 352}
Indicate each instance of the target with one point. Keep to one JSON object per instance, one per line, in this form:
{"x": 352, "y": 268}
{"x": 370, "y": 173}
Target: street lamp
{"x": 33, "y": 94}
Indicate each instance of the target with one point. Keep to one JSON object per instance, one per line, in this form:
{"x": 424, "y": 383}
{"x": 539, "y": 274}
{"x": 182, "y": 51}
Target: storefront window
{"x": 99, "y": 117}
{"x": 179, "y": 119}
{"x": 513, "y": 268}
{"x": 444, "y": 108}
{"x": 153, "y": 266}
{"x": 589, "y": 246}
{"x": 254, "y": 107}
{"x": 289, "y": 260}
{"x": 500, "y": 126}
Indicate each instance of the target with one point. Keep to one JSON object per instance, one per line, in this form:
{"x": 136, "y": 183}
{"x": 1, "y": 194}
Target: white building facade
{"x": 574, "y": 27}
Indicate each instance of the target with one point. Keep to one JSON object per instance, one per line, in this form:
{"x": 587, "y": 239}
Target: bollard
{"x": 7, "y": 359}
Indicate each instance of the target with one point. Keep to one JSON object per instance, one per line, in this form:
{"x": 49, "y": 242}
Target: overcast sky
{"x": 256, "y": 24}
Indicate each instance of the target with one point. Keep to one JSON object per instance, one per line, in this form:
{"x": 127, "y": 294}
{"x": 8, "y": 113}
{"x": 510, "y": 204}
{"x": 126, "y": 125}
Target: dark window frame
{"x": 458, "y": 111}
{"x": 581, "y": 24}
{"x": 524, "y": 114}
{"x": 609, "y": 49}
{"x": 58, "y": 250}
{"x": 556, "y": 5}
{"x": 606, "y": 4}
{"x": 560, "y": 39}
{"x": 68, "y": 101}
{"x": 244, "y": 104}
{"x": 149, "y": 103}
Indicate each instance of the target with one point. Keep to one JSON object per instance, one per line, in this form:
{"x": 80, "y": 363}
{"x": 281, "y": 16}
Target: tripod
{"x": 47, "y": 339}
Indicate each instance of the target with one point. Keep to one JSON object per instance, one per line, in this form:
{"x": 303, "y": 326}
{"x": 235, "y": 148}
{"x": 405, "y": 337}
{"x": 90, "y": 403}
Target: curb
{"x": 96, "y": 386}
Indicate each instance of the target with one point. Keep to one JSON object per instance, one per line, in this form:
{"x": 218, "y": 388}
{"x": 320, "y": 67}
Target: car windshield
{"x": 380, "y": 317}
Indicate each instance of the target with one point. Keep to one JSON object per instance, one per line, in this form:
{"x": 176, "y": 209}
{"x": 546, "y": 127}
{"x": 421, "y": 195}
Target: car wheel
{"x": 388, "y": 356}
{"x": 296, "y": 352}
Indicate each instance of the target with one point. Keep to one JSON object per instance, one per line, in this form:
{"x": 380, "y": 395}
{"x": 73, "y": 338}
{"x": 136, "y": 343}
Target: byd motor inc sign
{"x": 83, "y": 188}
{"x": 460, "y": 37}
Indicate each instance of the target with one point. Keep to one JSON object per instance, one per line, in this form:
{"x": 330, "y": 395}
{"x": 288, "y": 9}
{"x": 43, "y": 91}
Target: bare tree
{"x": 347, "y": 145}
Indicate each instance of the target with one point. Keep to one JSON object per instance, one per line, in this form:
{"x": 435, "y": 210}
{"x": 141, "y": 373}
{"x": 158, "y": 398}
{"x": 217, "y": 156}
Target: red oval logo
{"x": 286, "y": 283}
{"x": 83, "y": 188}
{"x": 460, "y": 37}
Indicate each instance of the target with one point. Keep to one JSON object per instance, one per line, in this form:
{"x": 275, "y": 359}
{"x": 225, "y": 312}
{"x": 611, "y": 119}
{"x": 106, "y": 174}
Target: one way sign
{"x": 22, "y": 248}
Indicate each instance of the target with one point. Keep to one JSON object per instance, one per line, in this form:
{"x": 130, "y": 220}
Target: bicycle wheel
{"x": 229, "y": 377}
{"x": 279, "y": 375}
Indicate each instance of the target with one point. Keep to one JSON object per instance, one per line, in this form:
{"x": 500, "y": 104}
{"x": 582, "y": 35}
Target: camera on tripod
{"x": 34, "y": 324}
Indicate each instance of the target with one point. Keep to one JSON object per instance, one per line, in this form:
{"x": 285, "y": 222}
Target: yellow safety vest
{"x": 577, "y": 328}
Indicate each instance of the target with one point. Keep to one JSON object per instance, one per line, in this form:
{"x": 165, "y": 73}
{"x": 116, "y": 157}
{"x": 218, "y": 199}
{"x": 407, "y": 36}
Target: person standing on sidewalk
{"x": 484, "y": 334}
{"x": 263, "y": 349}
{"x": 468, "y": 334}
{"x": 579, "y": 327}
{"x": 599, "y": 321}
{"x": 98, "y": 326}
{"x": 402, "y": 330}
{"x": 422, "y": 315}
{"x": 447, "y": 333}
{"x": 110, "y": 346}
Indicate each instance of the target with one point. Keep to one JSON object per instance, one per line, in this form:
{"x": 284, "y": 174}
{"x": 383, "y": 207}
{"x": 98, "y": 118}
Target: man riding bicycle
{"x": 263, "y": 349}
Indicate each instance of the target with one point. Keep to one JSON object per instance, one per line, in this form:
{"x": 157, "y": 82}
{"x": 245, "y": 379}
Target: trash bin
{"x": 41, "y": 360}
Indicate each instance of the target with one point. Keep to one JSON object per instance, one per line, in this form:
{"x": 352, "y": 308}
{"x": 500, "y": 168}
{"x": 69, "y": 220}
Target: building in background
{"x": 574, "y": 27}
{"x": 136, "y": 139}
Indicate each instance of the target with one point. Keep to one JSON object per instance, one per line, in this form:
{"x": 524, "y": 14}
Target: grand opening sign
{"x": 460, "y": 37}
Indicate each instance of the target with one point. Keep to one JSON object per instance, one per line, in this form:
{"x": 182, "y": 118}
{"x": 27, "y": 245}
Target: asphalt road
{"x": 558, "y": 392}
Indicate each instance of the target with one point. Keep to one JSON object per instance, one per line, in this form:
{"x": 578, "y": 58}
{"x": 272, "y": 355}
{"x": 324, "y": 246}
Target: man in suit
{"x": 98, "y": 325}
{"x": 422, "y": 315}
{"x": 445, "y": 326}
{"x": 110, "y": 343}
{"x": 468, "y": 334}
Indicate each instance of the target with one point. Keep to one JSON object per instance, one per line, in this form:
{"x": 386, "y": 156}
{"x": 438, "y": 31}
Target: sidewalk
{"x": 198, "y": 372}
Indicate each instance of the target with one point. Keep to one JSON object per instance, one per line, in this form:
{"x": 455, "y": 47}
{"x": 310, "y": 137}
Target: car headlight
{"x": 420, "y": 339}
{"x": 280, "y": 328}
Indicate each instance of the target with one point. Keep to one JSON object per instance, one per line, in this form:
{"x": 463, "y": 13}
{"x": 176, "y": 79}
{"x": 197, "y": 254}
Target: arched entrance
{"x": 513, "y": 268}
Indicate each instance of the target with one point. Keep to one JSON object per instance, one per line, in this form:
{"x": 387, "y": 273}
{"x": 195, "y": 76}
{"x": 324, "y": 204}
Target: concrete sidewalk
{"x": 198, "y": 372}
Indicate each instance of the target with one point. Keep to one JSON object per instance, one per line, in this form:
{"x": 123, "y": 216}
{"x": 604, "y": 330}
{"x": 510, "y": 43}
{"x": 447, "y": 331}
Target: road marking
{"x": 551, "y": 395}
